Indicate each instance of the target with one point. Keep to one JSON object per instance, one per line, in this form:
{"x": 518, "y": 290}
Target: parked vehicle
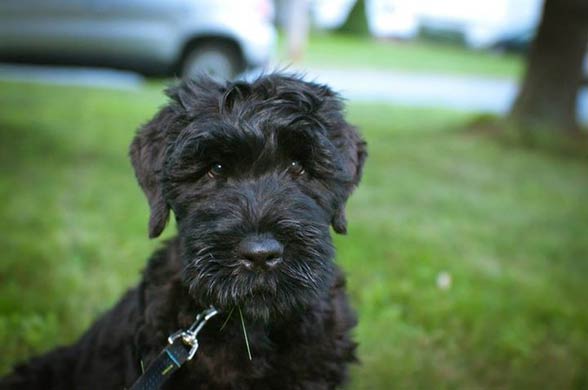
{"x": 154, "y": 37}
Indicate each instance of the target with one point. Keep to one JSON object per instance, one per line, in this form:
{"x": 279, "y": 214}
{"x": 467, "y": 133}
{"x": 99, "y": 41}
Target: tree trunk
{"x": 554, "y": 68}
{"x": 356, "y": 22}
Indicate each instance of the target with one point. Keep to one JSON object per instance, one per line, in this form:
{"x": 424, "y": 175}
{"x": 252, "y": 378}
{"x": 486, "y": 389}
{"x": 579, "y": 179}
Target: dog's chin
{"x": 259, "y": 304}
{"x": 261, "y": 307}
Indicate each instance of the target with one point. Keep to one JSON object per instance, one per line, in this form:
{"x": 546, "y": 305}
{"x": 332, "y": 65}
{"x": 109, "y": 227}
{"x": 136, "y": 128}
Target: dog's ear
{"x": 147, "y": 155}
{"x": 350, "y": 144}
{"x": 148, "y": 149}
{"x": 355, "y": 149}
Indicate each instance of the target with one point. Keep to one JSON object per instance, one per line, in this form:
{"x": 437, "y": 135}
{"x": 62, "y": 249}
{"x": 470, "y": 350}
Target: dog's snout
{"x": 260, "y": 251}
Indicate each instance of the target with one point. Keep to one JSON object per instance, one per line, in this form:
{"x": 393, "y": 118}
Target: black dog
{"x": 255, "y": 173}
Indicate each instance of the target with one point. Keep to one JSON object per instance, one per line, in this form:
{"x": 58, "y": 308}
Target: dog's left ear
{"x": 147, "y": 155}
{"x": 352, "y": 148}
{"x": 355, "y": 150}
{"x": 350, "y": 144}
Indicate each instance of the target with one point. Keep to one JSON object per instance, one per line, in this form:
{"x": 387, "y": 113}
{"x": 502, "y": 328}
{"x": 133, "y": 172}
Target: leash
{"x": 182, "y": 347}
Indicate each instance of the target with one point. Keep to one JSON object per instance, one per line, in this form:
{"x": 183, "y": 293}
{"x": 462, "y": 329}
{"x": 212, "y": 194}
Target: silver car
{"x": 155, "y": 37}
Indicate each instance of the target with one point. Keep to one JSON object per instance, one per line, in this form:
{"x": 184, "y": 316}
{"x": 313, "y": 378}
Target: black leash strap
{"x": 182, "y": 347}
{"x": 168, "y": 361}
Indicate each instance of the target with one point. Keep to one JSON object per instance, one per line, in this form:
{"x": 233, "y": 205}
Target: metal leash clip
{"x": 189, "y": 336}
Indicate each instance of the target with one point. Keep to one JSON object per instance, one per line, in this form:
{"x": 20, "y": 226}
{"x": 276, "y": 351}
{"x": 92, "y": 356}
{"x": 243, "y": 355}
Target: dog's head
{"x": 254, "y": 173}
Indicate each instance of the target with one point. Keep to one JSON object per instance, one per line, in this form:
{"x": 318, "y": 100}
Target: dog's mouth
{"x": 257, "y": 297}
{"x": 257, "y": 288}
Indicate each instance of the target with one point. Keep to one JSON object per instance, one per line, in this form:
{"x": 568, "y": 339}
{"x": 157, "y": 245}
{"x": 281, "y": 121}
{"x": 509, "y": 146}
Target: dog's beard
{"x": 215, "y": 275}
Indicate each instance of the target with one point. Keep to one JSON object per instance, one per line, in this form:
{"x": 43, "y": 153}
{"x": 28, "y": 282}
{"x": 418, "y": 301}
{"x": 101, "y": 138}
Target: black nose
{"x": 260, "y": 251}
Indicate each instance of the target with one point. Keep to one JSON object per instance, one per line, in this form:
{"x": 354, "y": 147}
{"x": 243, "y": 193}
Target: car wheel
{"x": 217, "y": 60}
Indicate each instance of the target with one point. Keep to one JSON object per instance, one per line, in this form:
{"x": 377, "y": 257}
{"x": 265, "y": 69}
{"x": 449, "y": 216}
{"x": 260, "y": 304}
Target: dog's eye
{"x": 216, "y": 170}
{"x": 295, "y": 168}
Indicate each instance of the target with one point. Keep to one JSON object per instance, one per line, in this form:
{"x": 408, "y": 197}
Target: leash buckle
{"x": 188, "y": 336}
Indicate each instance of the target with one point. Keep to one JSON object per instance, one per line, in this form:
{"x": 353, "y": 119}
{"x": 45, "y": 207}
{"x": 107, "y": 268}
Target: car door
{"x": 91, "y": 30}
{"x": 36, "y": 26}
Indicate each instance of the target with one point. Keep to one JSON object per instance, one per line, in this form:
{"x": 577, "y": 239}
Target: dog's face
{"x": 255, "y": 174}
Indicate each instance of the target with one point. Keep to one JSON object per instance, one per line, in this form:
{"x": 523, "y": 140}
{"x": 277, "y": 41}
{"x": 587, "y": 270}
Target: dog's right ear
{"x": 147, "y": 155}
{"x": 149, "y": 148}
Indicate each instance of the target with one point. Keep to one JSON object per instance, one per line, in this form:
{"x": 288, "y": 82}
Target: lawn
{"x": 506, "y": 225}
{"x": 349, "y": 52}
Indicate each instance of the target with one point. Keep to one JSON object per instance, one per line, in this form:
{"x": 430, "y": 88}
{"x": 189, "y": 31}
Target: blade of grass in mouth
{"x": 228, "y": 318}
{"x": 245, "y": 333}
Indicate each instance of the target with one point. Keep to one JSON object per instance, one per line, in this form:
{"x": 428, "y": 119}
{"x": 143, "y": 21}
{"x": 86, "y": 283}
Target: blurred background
{"x": 467, "y": 251}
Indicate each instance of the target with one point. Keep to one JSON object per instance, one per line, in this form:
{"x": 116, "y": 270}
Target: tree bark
{"x": 554, "y": 72}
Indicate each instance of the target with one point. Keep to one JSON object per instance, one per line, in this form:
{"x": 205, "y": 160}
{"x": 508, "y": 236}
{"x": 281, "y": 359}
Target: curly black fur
{"x": 297, "y": 316}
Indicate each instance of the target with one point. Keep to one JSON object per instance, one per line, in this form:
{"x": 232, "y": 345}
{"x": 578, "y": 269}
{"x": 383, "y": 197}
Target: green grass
{"x": 507, "y": 224}
{"x": 349, "y": 52}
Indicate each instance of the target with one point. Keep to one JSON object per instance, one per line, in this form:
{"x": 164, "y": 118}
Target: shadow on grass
{"x": 537, "y": 138}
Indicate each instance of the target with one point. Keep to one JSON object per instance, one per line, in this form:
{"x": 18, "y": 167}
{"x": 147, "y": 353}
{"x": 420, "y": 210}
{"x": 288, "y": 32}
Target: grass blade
{"x": 228, "y": 318}
{"x": 245, "y": 333}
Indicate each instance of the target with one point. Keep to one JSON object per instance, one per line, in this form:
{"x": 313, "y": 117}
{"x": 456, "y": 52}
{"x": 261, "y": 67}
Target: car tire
{"x": 218, "y": 60}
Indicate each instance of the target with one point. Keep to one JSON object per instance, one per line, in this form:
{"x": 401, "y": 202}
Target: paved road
{"x": 468, "y": 93}
{"x": 100, "y": 78}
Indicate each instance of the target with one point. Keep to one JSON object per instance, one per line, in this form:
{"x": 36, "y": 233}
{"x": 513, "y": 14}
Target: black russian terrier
{"x": 255, "y": 174}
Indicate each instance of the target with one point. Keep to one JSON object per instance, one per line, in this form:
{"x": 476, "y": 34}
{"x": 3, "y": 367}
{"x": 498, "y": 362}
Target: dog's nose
{"x": 260, "y": 251}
